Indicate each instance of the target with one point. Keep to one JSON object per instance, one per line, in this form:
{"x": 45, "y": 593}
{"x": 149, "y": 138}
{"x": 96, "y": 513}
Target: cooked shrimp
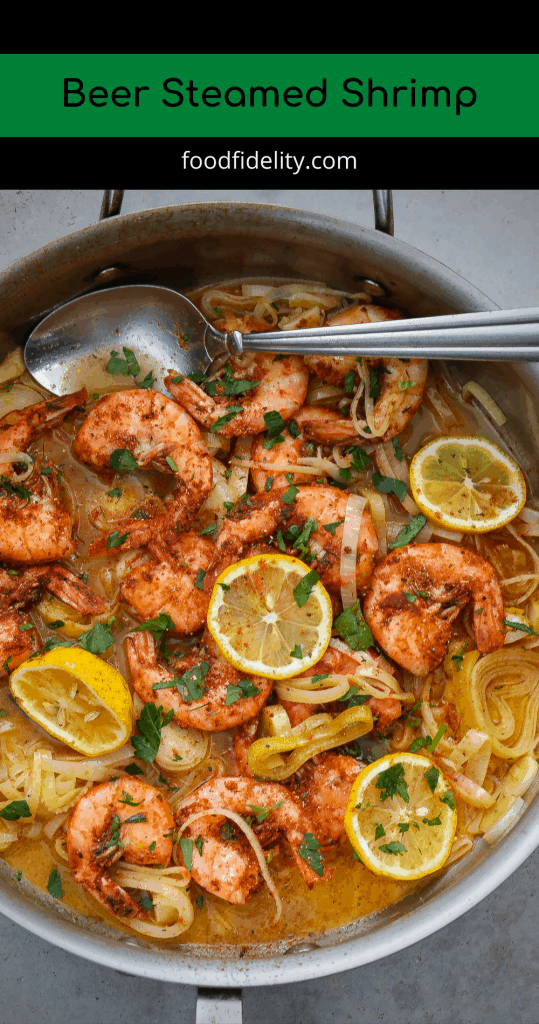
{"x": 244, "y": 736}
{"x": 401, "y": 383}
{"x": 286, "y": 818}
{"x": 100, "y": 832}
{"x": 167, "y": 583}
{"x": 343, "y": 661}
{"x": 282, "y": 388}
{"x": 19, "y": 428}
{"x": 17, "y": 640}
{"x": 265, "y": 514}
{"x": 34, "y": 527}
{"x": 18, "y": 588}
{"x": 285, "y": 453}
{"x": 324, "y": 789}
{"x": 208, "y": 672}
{"x": 415, "y": 594}
{"x": 156, "y": 432}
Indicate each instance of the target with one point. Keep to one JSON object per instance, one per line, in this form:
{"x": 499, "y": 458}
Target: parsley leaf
{"x": 261, "y": 813}
{"x": 431, "y": 777}
{"x": 331, "y": 527}
{"x": 303, "y": 590}
{"x": 12, "y": 488}
{"x": 147, "y": 382}
{"x": 309, "y": 851}
{"x": 115, "y": 493}
{"x": 360, "y": 459}
{"x": 392, "y": 782}
{"x": 519, "y": 625}
{"x": 397, "y": 449}
{"x": 274, "y": 423}
{"x": 379, "y": 831}
{"x": 410, "y": 531}
{"x": 349, "y": 381}
{"x": 97, "y": 639}
{"x": 432, "y": 821}
{"x": 187, "y": 852}
{"x": 54, "y": 885}
{"x": 149, "y": 726}
{"x": 133, "y": 769}
{"x": 297, "y": 652}
{"x": 208, "y": 530}
{"x": 122, "y": 460}
{"x": 158, "y": 626}
{"x": 244, "y": 689}
{"x": 114, "y": 540}
{"x": 459, "y": 659}
{"x": 289, "y": 495}
{"x": 449, "y": 799}
{"x": 395, "y": 848}
{"x": 15, "y": 810}
{"x": 353, "y": 628}
{"x": 233, "y": 411}
{"x": 388, "y": 485}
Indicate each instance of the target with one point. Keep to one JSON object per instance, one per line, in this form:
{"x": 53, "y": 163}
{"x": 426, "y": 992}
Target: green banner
{"x": 282, "y": 95}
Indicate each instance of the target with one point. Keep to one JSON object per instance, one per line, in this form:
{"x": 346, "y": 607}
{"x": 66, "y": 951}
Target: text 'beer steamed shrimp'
{"x": 126, "y": 819}
{"x": 267, "y": 513}
{"x": 415, "y": 594}
{"x": 223, "y": 866}
{"x": 34, "y": 526}
{"x": 256, "y": 384}
{"x": 131, "y": 429}
{"x": 204, "y": 691}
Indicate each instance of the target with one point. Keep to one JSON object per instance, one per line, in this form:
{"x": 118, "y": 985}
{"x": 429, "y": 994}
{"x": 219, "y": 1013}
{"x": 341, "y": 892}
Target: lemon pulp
{"x": 258, "y": 622}
{"x": 398, "y": 837}
{"x": 78, "y": 698}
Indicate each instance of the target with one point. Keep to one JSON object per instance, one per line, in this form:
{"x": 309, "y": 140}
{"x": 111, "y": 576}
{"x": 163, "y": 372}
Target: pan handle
{"x": 383, "y": 210}
{"x": 112, "y": 203}
{"x": 219, "y": 1006}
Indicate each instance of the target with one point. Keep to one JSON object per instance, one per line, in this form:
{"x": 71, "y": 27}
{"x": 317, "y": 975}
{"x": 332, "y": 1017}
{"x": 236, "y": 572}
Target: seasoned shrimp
{"x": 324, "y": 789}
{"x": 286, "y": 453}
{"x": 19, "y": 428}
{"x": 217, "y": 869}
{"x": 401, "y": 385}
{"x": 415, "y": 594}
{"x": 100, "y": 832}
{"x": 34, "y": 527}
{"x": 167, "y": 583}
{"x": 156, "y": 432}
{"x": 202, "y": 670}
{"x": 18, "y": 588}
{"x": 265, "y": 514}
{"x": 282, "y": 388}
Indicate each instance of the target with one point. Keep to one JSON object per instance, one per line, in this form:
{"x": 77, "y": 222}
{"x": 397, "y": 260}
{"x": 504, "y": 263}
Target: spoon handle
{"x": 499, "y": 334}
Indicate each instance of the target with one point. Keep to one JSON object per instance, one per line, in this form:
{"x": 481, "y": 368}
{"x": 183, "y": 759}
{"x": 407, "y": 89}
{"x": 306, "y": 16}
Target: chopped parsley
{"x": 128, "y": 799}
{"x": 290, "y": 493}
{"x": 331, "y": 527}
{"x": 97, "y": 639}
{"x": 431, "y": 777}
{"x": 353, "y": 628}
{"x": 149, "y": 726}
{"x": 12, "y": 488}
{"x": 388, "y": 485}
{"x": 134, "y": 819}
{"x": 199, "y": 843}
{"x": 114, "y": 834}
{"x": 379, "y": 831}
{"x": 171, "y": 464}
{"x": 359, "y": 458}
{"x": 449, "y": 799}
{"x": 397, "y": 449}
{"x": 190, "y": 686}
{"x": 122, "y": 460}
{"x": 303, "y": 590}
{"x": 187, "y": 852}
{"x": 221, "y": 421}
{"x": 269, "y": 484}
{"x": 394, "y": 848}
{"x": 128, "y": 367}
{"x": 297, "y": 652}
{"x": 244, "y": 689}
{"x": 115, "y": 493}
{"x": 54, "y": 885}
{"x": 309, "y": 851}
{"x": 15, "y": 810}
{"x": 349, "y": 381}
{"x": 459, "y": 659}
{"x": 392, "y": 782}
{"x": 518, "y": 625}
{"x": 208, "y": 530}
{"x": 410, "y": 531}
{"x": 432, "y": 821}
{"x": 114, "y": 540}
{"x": 133, "y": 769}
{"x": 228, "y": 834}
{"x": 261, "y": 813}
{"x": 199, "y": 901}
{"x": 199, "y": 579}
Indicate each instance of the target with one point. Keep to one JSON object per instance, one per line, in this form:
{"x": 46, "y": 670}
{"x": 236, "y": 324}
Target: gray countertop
{"x": 481, "y": 968}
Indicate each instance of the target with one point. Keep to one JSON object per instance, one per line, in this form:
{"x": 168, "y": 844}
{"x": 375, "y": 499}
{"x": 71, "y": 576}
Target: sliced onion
{"x": 304, "y": 691}
{"x": 350, "y": 539}
{"x": 512, "y": 807}
{"x": 482, "y": 396}
{"x": 378, "y": 510}
{"x": 17, "y": 458}
{"x": 249, "y": 834}
{"x": 444, "y": 411}
{"x": 256, "y": 289}
{"x": 323, "y": 394}
{"x": 529, "y": 515}
{"x": 389, "y": 465}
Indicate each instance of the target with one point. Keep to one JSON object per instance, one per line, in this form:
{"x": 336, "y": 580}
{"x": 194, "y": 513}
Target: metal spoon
{"x": 73, "y": 345}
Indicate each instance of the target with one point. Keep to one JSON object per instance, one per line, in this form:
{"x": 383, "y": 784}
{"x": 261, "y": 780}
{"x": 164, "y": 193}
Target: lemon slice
{"x": 467, "y": 484}
{"x": 267, "y": 618}
{"x": 78, "y": 698}
{"x": 401, "y": 816}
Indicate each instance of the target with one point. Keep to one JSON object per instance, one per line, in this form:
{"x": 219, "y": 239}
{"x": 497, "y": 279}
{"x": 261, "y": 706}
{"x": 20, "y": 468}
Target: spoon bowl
{"x": 73, "y": 344}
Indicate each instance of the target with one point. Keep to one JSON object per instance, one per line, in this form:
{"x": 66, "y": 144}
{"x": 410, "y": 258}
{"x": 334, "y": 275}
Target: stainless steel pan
{"x": 197, "y": 244}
